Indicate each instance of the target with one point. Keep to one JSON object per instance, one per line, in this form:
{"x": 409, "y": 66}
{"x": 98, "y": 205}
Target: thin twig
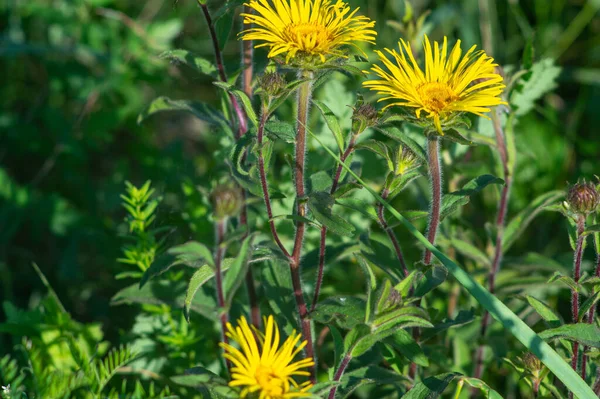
{"x": 339, "y": 373}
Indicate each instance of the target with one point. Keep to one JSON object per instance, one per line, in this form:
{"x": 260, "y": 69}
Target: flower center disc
{"x": 436, "y": 96}
{"x": 308, "y": 36}
{"x": 270, "y": 382}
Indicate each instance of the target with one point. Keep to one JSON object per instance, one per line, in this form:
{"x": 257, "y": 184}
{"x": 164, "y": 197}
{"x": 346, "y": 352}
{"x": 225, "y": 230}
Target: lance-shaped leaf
{"x": 320, "y": 204}
{"x": 200, "y": 110}
{"x": 332, "y": 123}
{"x": 278, "y": 130}
{"x": 354, "y": 379}
{"x": 238, "y": 269}
{"x": 343, "y": 311}
{"x": 199, "y": 64}
{"x": 406, "y": 346}
{"x": 586, "y": 334}
{"x": 397, "y": 134}
{"x": 544, "y": 311}
{"x": 432, "y": 387}
{"x": 242, "y": 98}
{"x": 452, "y": 201}
{"x": 199, "y": 278}
{"x": 519, "y": 223}
{"x": 433, "y": 277}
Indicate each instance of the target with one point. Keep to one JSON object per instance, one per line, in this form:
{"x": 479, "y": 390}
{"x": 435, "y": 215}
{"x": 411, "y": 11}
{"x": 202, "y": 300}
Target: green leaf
{"x": 433, "y": 277}
{"x": 544, "y": 310}
{"x": 371, "y": 284}
{"x": 408, "y": 347}
{"x": 358, "y": 205}
{"x": 223, "y": 25}
{"x": 531, "y": 87}
{"x": 588, "y": 304}
{"x": 242, "y": 98}
{"x": 586, "y": 334}
{"x": 476, "y": 138}
{"x": 279, "y": 292}
{"x": 160, "y": 265}
{"x": 519, "y": 223}
{"x": 278, "y": 130}
{"x": 378, "y": 148}
{"x": 201, "y": 65}
{"x": 346, "y": 312}
{"x": 470, "y": 251}
{"x": 508, "y": 319}
{"x": 238, "y": 269}
{"x": 320, "y": 181}
{"x": 431, "y": 387}
{"x": 397, "y": 134}
{"x": 455, "y": 136}
{"x": 200, "y": 110}
{"x": 488, "y": 392}
{"x": 463, "y": 317}
{"x": 338, "y": 346}
{"x": 198, "y": 279}
{"x": 332, "y": 123}
{"x": 320, "y": 204}
{"x": 592, "y": 229}
{"x": 452, "y": 201}
{"x": 354, "y": 379}
{"x": 568, "y": 281}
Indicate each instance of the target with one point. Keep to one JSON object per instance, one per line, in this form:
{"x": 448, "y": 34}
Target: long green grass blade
{"x": 510, "y": 321}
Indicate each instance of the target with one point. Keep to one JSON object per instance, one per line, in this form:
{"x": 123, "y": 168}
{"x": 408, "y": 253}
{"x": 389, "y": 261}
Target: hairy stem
{"x": 323, "y": 244}
{"x": 220, "y": 228}
{"x": 247, "y": 58}
{"x": 299, "y": 165}
{"x": 500, "y": 224}
{"x": 435, "y": 174}
{"x": 237, "y": 109}
{"x": 264, "y": 185}
{"x": 392, "y": 236}
{"x": 574, "y": 293}
{"x": 339, "y": 373}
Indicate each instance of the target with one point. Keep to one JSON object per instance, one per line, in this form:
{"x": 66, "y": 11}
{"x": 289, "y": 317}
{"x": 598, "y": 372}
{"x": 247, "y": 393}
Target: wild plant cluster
{"x": 338, "y": 247}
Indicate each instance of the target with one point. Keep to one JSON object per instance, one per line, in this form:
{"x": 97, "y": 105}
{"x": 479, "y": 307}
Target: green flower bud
{"x": 583, "y": 198}
{"x": 364, "y": 116}
{"x": 272, "y": 83}
{"x": 531, "y": 362}
{"x": 405, "y": 160}
{"x": 227, "y": 201}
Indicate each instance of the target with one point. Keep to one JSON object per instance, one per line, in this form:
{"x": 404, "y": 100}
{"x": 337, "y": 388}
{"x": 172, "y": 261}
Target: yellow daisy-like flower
{"x": 451, "y": 83}
{"x": 312, "y": 27}
{"x": 263, "y": 366}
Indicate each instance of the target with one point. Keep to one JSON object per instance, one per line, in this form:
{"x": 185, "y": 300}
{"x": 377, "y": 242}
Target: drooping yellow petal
{"x": 317, "y": 28}
{"x": 450, "y": 83}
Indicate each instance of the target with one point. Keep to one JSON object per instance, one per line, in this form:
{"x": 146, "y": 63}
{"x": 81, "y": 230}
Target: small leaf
{"x": 543, "y": 310}
{"x": 470, "y": 251}
{"x": 586, "y": 334}
{"x": 519, "y": 223}
{"x": 408, "y": 347}
{"x": 568, "y": 281}
{"x": 592, "y": 229}
{"x": 452, "y": 201}
{"x": 320, "y": 181}
{"x": 455, "y": 136}
{"x": 354, "y": 379}
{"x": 238, "y": 269}
{"x": 320, "y": 204}
{"x": 432, "y": 387}
{"x": 192, "y": 60}
{"x": 540, "y": 80}
{"x": 278, "y": 130}
{"x": 433, "y": 277}
{"x": 487, "y": 392}
{"x": 344, "y": 311}
{"x": 198, "y": 279}
{"x": 588, "y": 304}
{"x": 332, "y": 123}
{"x": 397, "y": 134}
{"x": 243, "y": 99}
{"x": 200, "y": 110}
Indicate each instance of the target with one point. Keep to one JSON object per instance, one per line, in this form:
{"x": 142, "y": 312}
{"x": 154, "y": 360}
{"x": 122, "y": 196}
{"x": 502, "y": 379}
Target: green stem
{"x": 509, "y": 320}
{"x": 304, "y": 95}
{"x": 435, "y": 174}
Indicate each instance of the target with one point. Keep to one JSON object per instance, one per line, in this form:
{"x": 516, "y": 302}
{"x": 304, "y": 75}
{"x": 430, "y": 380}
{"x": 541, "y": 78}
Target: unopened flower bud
{"x": 226, "y": 200}
{"x": 364, "y": 116}
{"x": 272, "y": 83}
{"x": 583, "y": 198}
{"x": 405, "y": 160}
{"x": 531, "y": 362}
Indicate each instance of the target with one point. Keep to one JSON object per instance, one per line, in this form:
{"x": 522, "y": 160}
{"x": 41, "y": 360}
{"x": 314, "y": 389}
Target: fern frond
{"x": 108, "y": 367}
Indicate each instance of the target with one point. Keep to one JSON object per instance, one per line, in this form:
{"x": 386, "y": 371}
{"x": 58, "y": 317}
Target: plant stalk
{"x": 247, "y": 58}
{"x": 220, "y": 228}
{"x": 264, "y": 185}
{"x": 500, "y": 224}
{"x": 574, "y": 293}
{"x": 392, "y": 236}
{"x": 237, "y": 109}
{"x": 339, "y": 373}
{"x": 435, "y": 174}
{"x": 323, "y": 244}
{"x": 304, "y": 95}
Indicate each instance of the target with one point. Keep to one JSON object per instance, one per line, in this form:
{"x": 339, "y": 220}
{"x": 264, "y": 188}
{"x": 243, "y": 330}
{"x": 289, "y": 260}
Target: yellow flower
{"x": 263, "y": 366}
{"x": 309, "y": 27}
{"x": 450, "y": 83}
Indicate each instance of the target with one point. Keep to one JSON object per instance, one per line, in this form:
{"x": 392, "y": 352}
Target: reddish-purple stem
{"x": 339, "y": 373}
{"x": 574, "y": 293}
{"x": 334, "y": 186}
{"x": 392, "y": 236}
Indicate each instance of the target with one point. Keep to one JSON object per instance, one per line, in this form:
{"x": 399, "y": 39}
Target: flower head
{"x": 313, "y": 28}
{"x": 451, "y": 83}
{"x": 264, "y": 366}
{"x": 583, "y": 198}
{"x": 227, "y": 201}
